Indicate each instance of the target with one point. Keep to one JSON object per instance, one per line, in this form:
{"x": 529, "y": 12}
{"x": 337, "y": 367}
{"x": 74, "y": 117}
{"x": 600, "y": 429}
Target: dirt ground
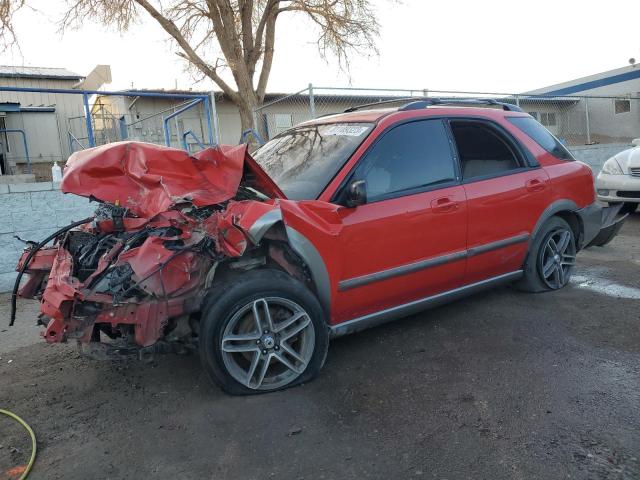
{"x": 502, "y": 385}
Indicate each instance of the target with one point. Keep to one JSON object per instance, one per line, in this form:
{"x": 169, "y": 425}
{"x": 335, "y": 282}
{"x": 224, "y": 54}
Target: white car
{"x": 619, "y": 179}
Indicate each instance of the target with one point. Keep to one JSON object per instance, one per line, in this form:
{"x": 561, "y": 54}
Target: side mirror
{"x": 635, "y": 142}
{"x": 357, "y": 193}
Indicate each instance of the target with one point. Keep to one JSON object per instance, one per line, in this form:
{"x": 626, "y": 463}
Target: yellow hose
{"x": 25, "y": 474}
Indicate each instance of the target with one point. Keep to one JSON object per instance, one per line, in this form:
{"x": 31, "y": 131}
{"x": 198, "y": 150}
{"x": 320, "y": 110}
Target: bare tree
{"x": 8, "y": 8}
{"x": 236, "y": 34}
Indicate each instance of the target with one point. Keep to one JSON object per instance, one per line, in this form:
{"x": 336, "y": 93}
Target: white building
{"x": 43, "y": 117}
{"x": 611, "y": 114}
{"x": 49, "y": 120}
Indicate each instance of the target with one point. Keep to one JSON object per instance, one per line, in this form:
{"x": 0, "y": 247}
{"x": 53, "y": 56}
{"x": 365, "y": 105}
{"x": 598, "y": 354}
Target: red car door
{"x": 506, "y": 194}
{"x": 408, "y": 241}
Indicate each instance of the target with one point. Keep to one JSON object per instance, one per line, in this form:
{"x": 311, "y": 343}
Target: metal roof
{"x": 8, "y": 71}
{"x": 171, "y": 91}
{"x": 610, "y": 77}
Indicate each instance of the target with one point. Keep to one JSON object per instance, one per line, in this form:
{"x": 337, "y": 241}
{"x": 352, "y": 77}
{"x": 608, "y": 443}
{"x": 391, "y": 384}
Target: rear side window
{"x": 542, "y": 137}
{"x": 406, "y": 159}
{"x": 483, "y": 151}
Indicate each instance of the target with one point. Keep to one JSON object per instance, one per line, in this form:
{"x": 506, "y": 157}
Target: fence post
{"x": 214, "y": 116}
{"x": 207, "y": 115}
{"x": 586, "y": 110}
{"x": 312, "y": 102}
{"x": 517, "y": 100}
{"x": 87, "y": 116}
{"x": 425, "y": 92}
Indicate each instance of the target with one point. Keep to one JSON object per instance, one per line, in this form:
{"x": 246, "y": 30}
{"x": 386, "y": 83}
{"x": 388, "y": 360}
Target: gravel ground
{"x": 501, "y": 385}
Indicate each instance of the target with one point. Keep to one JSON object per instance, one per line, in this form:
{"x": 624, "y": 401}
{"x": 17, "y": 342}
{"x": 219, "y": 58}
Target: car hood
{"x": 629, "y": 158}
{"x": 150, "y": 179}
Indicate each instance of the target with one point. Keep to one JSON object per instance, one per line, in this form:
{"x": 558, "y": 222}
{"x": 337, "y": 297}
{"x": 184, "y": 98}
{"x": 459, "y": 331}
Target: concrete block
{"x": 9, "y": 261}
{"x": 55, "y": 199}
{"x": 65, "y": 216}
{"x": 30, "y": 187}
{"x": 70, "y": 200}
{"x": 20, "y": 178}
{"x": 33, "y": 220}
{"x": 4, "y": 188}
{"x": 15, "y": 202}
{"x": 6, "y": 281}
{"x": 31, "y": 235}
{"x": 7, "y": 244}
{"x": 46, "y": 200}
{"x": 6, "y": 225}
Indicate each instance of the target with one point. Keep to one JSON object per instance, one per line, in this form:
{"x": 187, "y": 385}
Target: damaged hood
{"x": 150, "y": 179}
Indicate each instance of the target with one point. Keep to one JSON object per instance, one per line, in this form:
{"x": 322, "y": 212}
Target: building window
{"x": 622, "y": 106}
{"x": 548, "y": 119}
{"x": 533, "y": 114}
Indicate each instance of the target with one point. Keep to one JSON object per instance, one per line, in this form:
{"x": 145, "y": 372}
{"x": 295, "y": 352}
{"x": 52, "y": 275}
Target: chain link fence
{"x": 40, "y": 126}
{"x": 55, "y": 122}
{"x": 142, "y": 119}
{"x": 575, "y": 120}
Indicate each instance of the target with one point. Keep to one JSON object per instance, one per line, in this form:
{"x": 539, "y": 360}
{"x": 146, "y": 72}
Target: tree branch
{"x": 246, "y": 22}
{"x": 267, "y": 60}
{"x": 193, "y": 57}
{"x": 8, "y": 9}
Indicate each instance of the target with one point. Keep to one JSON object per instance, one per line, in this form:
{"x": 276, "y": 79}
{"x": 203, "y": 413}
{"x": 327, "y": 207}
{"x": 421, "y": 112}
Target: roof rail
{"x": 382, "y": 102}
{"x": 430, "y": 101}
{"x": 416, "y": 103}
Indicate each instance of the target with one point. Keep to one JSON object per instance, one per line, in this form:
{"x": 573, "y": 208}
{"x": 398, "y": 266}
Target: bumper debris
{"x": 135, "y": 273}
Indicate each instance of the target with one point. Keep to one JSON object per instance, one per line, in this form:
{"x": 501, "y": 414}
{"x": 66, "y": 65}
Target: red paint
{"x": 150, "y": 179}
{"x": 366, "y": 247}
{"x": 155, "y": 183}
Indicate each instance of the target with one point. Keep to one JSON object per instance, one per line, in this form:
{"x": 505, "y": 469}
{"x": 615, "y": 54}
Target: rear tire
{"x": 261, "y": 332}
{"x": 551, "y": 258}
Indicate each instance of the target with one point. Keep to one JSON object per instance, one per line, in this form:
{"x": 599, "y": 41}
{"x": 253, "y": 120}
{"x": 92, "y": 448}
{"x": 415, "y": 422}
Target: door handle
{"x": 444, "y": 205}
{"x": 535, "y": 184}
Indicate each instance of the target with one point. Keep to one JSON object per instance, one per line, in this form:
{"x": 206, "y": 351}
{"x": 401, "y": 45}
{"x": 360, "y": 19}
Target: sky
{"x": 481, "y": 46}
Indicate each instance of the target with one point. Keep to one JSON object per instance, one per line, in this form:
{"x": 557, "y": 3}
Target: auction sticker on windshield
{"x": 346, "y": 130}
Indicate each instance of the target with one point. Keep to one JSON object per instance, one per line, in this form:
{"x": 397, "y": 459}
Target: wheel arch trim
{"x": 558, "y": 206}
{"x": 318, "y": 269}
{"x": 300, "y": 245}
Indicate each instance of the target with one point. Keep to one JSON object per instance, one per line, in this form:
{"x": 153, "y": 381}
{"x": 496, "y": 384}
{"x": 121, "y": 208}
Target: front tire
{"x": 551, "y": 258}
{"x": 262, "y": 332}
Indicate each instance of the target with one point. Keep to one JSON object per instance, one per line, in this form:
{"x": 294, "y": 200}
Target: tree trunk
{"x": 246, "y": 106}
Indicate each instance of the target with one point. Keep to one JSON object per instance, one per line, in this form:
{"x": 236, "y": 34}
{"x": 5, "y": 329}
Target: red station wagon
{"x": 339, "y": 224}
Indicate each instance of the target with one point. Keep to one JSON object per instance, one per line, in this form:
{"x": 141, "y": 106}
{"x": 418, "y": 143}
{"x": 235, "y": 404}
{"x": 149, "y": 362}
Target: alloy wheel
{"x": 557, "y": 258}
{"x": 268, "y": 343}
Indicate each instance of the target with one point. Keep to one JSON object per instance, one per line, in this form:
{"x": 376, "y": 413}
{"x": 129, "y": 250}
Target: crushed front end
{"x": 131, "y": 280}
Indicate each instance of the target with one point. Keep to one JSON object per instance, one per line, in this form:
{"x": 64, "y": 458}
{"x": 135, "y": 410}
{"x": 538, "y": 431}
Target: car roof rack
{"x": 416, "y": 103}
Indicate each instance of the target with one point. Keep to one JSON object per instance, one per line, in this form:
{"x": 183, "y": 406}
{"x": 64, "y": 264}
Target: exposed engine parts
{"x": 131, "y": 280}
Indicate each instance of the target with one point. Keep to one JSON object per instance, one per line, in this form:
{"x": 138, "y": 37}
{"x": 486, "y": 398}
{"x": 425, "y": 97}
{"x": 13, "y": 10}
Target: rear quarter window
{"x": 542, "y": 137}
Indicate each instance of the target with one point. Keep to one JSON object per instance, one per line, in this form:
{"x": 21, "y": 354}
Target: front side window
{"x": 408, "y": 158}
{"x": 482, "y": 150}
{"x": 302, "y": 161}
{"x": 542, "y": 137}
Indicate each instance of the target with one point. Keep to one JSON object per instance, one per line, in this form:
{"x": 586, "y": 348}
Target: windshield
{"x": 302, "y": 161}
